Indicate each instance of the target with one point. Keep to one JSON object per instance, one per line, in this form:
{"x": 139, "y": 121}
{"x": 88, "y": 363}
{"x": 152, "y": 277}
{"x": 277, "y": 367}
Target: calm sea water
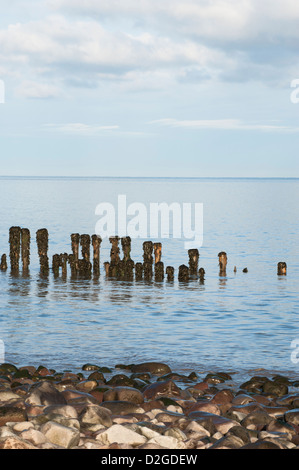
{"x": 237, "y": 323}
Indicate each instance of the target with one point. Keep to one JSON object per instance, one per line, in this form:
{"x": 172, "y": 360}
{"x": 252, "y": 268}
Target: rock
{"x": 8, "y": 396}
{"x": 121, "y": 380}
{"x": 275, "y": 388}
{"x": 121, "y": 407}
{"x": 167, "y": 442}
{"x": 292, "y": 416}
{"x": 223, "y": 397}
{"x": 44, "y": 393}
{"x": 166, "y": 388}
{"x": 228, "y": 442}
{"x": 154, "y": 368}
{"x": 261, "y": 444}
{"x": 209, "y": 407}
{"x": 22, "y": 426}
{"x": 87, "y": 385}
{"x": 15, "y": 443}
{"x": 121, "y": 435}
{"x": 64, "y": 410}
{"x": 60, "y": 435}
{"x": 256, "y": 420}
{"x": 94, "y": 414}
{"x": 11, "y": 414}
{"x": 34, "y": 436}
{"x": 124, "y": 394}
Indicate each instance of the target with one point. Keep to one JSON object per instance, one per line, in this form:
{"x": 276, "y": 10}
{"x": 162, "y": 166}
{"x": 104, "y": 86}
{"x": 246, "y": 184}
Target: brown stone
{"x": 124, "y": 394}
{"x": 165, "y": 388}
{"x": 11, "y": 413}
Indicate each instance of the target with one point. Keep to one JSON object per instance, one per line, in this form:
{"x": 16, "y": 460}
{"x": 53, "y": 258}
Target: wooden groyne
{"x": 80, "y": 263}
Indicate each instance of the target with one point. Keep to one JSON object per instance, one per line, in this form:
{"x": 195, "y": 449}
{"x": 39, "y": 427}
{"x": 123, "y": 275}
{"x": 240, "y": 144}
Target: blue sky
{"x": 149, "y": 88}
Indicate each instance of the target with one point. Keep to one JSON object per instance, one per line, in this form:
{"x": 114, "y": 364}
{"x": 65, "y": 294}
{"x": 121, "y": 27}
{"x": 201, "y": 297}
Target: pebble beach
{"x": 145, "y": 406}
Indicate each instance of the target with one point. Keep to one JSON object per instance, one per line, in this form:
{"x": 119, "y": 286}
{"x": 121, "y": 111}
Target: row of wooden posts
{"x": 152, "y": 266}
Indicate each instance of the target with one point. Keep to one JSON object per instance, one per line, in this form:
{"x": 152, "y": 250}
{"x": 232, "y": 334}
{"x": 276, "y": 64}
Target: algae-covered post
{"x": 85, "y": 246}
{"x": 63, "y": 261}
{"x": 193, "y": 261}
{"x": 222, "y": 263}
{"x": 3, "y": 263}
{"x": 106, "y": 267}
{"x": 15, "y": 247}
{"x": 159, "y": 271}
{"x": 184, "y": 273}
{"x": 170, "y": 273}
{"x": 201, "y": 274}
{"x": 56, "y": 263}
{"x": 138, "y": 271}
{"x": 157, "y": 252}
{"x": 75, "y": 239}
{"x": 96, "y": 243}
{"x": 126, "y": 247}
{"x": 42, "y": 240}
{"x": 114, "y": 256}
{"x": 148, "y": 259}
{"x": 25, "y": 239}
{"x": 282, "y": 268}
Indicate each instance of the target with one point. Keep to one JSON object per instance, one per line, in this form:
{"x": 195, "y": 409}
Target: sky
{"x": 192, "y": 88}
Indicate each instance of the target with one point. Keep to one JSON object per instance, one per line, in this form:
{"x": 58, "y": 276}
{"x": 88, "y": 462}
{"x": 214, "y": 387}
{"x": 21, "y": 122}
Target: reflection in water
{"x": 42, "y": 285}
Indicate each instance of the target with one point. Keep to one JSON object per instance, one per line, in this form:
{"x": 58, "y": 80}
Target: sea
{"x": 240, "y": 322}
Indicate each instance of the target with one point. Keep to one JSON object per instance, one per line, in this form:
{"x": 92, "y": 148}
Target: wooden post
{"x": 183, "y": 273}
{"x": 15, "y": 245}
{"x": 42, "y": 239}
{"x": 25, "y": 240}
{"x": 56, "y": 263}
{"x": 148, "y": 259}
{"x": 282, "y": 268}
{"x": 106, "y": 267}
{"x": 170, "y": 273}
{"x": 138, "y": 271}
{"x": 85, "y": 246}
{"x": 193, "y": 261}
{"x": 73, "y": 260}
{"x": 201, "y": 274}
{"x": 157, "y": 252}
{"x": 3, "y": 264}
{"x": 222, "y": 263}
{"x": 96, "y": 243}
{"x": 126, "y": 247}
{"x": 159, "y": 271}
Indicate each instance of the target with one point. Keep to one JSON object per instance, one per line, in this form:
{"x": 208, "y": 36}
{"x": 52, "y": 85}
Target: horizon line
{"x": 144, "y": 177}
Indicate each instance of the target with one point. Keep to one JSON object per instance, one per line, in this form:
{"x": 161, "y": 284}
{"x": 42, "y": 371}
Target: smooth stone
{"x": 166, "y": 388}
{"x": 154, "y": 368}
{"x": 34, "y": 436}
{"x": 7, "y": 395}
{"x": 228, "y": 442}
{"x": 121, "y": 435}
{"x": 167, "y": 442}
{"x": 275, "y": 388}
{"x": 124, "y": 394}
{"x": 223, "y": 397}
{"x": 292, "y": 416}
{"x": 208, "y": 407}
{"x": 61, "y": 435}
{"x": 65, "y": 410}
{"x": 121, "y": 407}
{"x": 11, "y": 414}
{"x": 95, "y": 414}
{"x": 242, "y": 399}
{"x": 15, "y": 443}
{"x": 261, "y": 444}
{"x": 256, "y": 420}
{"x": 44, "y": 393}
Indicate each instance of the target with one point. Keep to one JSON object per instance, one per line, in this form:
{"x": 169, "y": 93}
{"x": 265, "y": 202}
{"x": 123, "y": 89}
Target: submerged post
{"x": 126, "y": 247}
{"x": 3, "y": 263}
{"x": 114, "y": 256}
{"x": 222, "y": 263}
{"x": 15, "y": 246}
{"x": 282, "y": 268}
{"x": 96, "y": 243}
{"x": 25, "y": 239}
{"x": 56, "y": 263}
{"x": 193, "y": 261}
{"x": 170, "y": 273}
{"x": 201, "y": 274}
{"x": 183, "y": 273}
{"x": 159, "y": 271}
{"x": 75, "y": 239}
{"x": 138, "y": 271}
{"x": 42, "y": 239}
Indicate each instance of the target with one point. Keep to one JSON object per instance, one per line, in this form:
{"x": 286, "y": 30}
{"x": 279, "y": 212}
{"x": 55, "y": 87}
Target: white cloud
{"x": 222, "y": 124}
{"x": 81, "y": 129}
{"x": 32, "y": 89}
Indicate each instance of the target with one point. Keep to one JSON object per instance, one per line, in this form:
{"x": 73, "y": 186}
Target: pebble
{"x": 144, "y": 406}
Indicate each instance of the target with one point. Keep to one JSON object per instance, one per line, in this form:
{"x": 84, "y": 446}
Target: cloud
{"x": 222, "y": 124}
{"x": 81, "y": 129}
{"x": 36, "y": 90}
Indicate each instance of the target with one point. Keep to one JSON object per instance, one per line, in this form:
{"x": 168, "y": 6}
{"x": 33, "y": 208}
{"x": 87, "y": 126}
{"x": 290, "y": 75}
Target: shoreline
{"x": 145, "y": 405}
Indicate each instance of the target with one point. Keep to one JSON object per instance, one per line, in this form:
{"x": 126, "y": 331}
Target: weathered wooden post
{"x": 84, "y": 268}
{"x": 63, "y": 261}
{"x": 3, "y": 264}
{"x": 157, "y": 252}
{"x": 114, "y": 256}
{"x": 85, "y": 246}
{"x": 222, "y": 263}
{"x": 96, "y": 243}
{"x": 148, "y": 259}
{"x": 193, "y": 261}
{"x": 159, "y": 271}
{"x": 15, "y": 246}
{"x": 106, "y": 267}
{"x": 170, "y": 273}
{"x": 126, "y": 247}
{"x": 282, "y": 268}
{"x": 138, "y": 271}
{"x": 56, "y": 263}
{"x": 42, "y": 239}
{"x": 183, "y": 273}
{"x": 201, "y": 274}
{"x": 25, "y": 243}
{"x": 73, "y": 260}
